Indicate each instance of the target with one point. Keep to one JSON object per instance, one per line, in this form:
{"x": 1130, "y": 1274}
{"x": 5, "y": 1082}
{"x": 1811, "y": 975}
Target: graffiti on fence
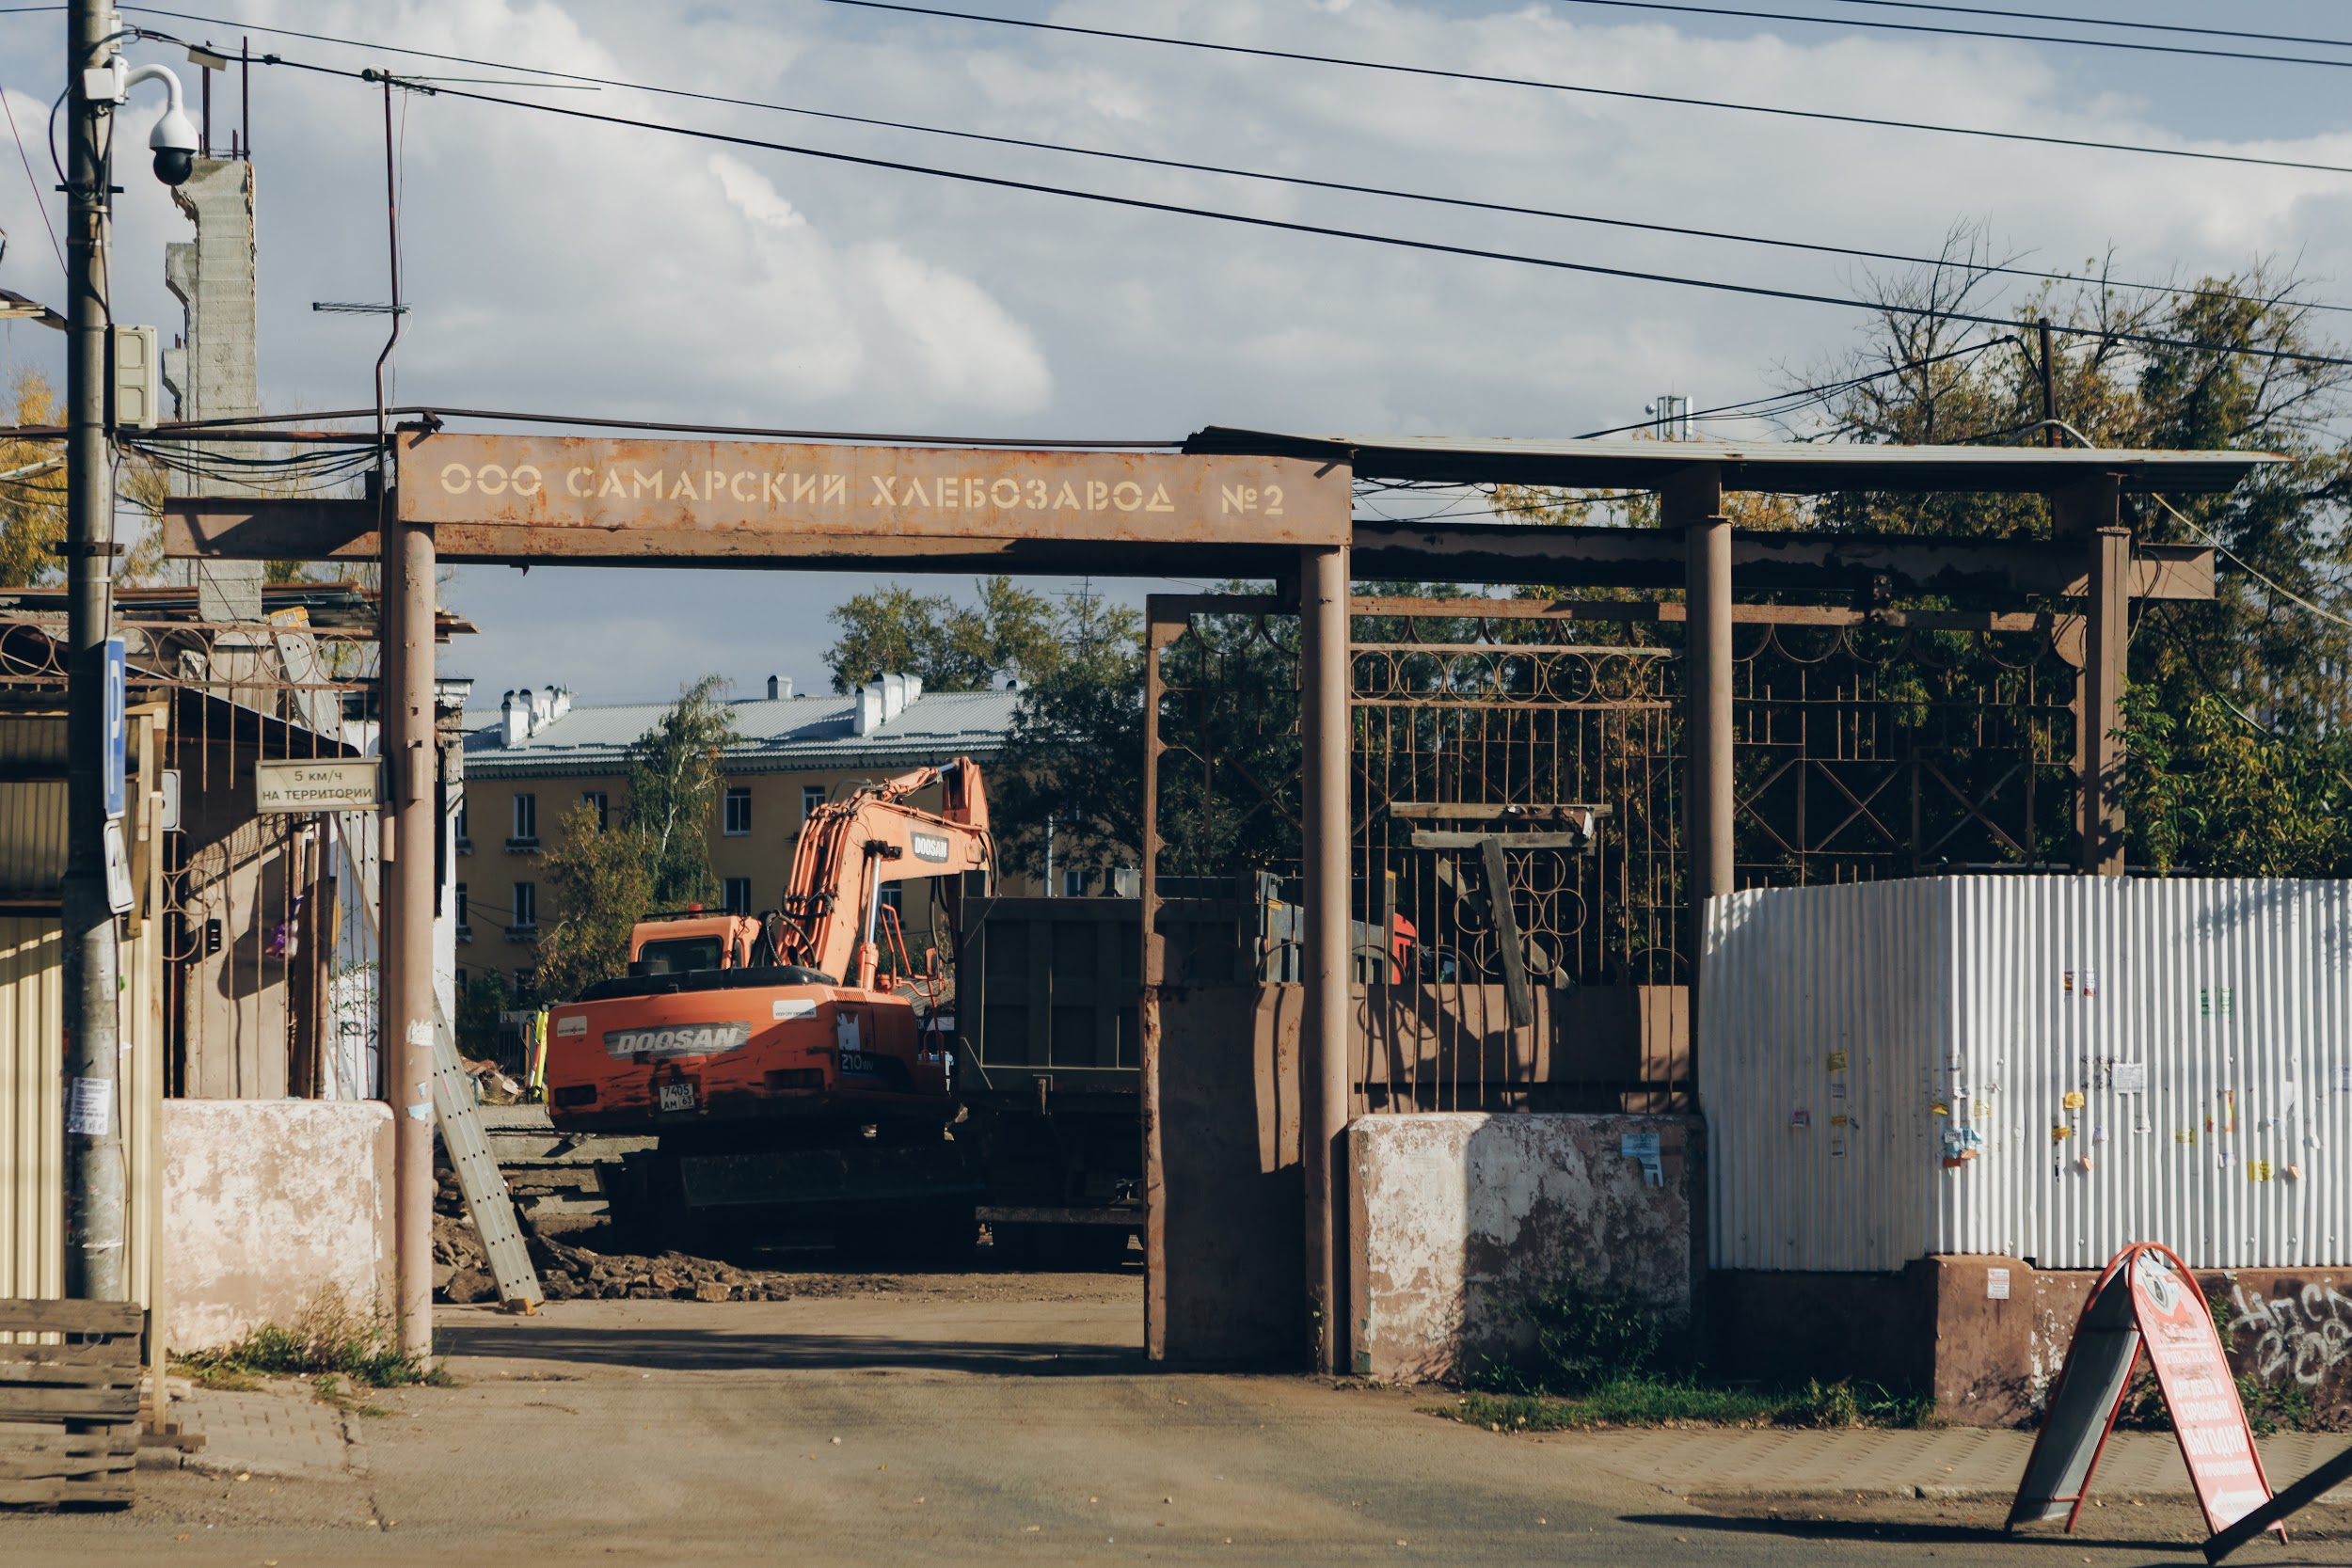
{"x": 2302, "y": 1334}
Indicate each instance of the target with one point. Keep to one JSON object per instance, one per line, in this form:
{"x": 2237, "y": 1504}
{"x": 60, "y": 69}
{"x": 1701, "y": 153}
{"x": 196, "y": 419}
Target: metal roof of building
{"x": 1796, "y": 467}
{"x": 777, "y": 735}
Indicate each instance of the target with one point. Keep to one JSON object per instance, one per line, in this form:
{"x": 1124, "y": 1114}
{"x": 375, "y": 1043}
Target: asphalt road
{"x": 1010, "y": 1422}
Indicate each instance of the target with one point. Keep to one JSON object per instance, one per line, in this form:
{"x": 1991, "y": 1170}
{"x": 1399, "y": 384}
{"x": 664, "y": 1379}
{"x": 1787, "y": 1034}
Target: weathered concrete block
{"x": 265, "y": 1202}
{"x": 1458, "y": 1220}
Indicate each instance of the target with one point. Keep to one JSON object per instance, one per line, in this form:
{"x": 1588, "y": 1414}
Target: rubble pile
{"x": 566, "y": 1273}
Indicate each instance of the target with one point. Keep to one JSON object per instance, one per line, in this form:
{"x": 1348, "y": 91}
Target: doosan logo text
{"x": 682, "y": 1039}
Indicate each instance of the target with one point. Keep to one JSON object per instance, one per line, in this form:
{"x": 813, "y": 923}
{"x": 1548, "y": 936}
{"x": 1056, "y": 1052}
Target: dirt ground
{"x": 975, "y": 1418}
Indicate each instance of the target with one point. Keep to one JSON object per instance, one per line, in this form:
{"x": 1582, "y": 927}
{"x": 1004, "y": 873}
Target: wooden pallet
{"x": 71, "y": 1368}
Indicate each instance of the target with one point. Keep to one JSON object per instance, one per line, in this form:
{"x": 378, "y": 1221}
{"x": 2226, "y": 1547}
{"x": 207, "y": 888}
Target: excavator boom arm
{"x": 850, "y": 848}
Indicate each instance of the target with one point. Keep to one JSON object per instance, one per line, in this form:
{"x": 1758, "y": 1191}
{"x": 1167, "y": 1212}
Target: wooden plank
{"x": 105, "y": 1457}
{"x": 1797, "y": 560}
{"x": 1436, "y": 838}
{"x": 1648, "y": 612}
{"x": 69, "y": 1374}
{"x": 71, "y": 1315}
{"x": 1478, "y": 810}
{"x": 110, "y": 1351}
{"x": 69, "y": 1404}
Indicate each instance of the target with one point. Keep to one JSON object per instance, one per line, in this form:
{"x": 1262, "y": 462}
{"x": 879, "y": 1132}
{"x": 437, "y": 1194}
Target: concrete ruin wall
{"x": 1460, "y": 1219}
{"x": 267, "y": 1202}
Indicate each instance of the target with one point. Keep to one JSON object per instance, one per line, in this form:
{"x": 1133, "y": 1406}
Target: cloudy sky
{"x": 570, "y": 268}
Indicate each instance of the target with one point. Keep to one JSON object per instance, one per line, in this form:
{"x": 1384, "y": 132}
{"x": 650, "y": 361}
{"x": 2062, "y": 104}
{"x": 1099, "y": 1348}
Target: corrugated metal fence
{"x": 2041, "y": 1067}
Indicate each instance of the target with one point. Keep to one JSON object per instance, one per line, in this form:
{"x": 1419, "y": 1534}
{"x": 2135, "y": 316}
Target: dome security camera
{"x": 174, "y": 140}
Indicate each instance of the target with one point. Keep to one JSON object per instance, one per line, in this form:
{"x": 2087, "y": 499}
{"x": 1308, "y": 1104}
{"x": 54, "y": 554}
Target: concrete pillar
{"x": 214, "y": 375}
{"x": 1323, "y": 1045}
{"x": 2090, "y": 514}
{"x": 412, "y": 820}
{"x": 1692, "y": 501}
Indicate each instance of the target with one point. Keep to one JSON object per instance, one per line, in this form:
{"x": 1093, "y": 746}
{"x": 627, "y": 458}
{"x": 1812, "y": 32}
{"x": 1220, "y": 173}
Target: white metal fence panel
{"x": 2043, "y": 1066}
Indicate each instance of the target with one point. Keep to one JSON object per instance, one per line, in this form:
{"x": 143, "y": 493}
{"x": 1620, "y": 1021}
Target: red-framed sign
{"x": 2146, "y": 1300}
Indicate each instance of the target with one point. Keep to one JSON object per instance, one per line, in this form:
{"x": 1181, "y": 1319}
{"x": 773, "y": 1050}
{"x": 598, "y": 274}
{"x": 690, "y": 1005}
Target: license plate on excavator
{"x": 674, "y": 1097}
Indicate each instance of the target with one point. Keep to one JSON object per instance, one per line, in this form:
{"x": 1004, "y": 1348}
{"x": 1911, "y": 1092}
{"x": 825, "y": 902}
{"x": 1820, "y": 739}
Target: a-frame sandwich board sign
{"x": 2145, "y": 1300}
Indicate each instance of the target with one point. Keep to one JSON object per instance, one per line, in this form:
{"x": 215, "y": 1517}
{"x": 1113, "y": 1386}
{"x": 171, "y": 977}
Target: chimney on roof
{"x": 867, "y": 719}
{"x": 779, "y": 688}
{"x": 559, "y": 702}
{"x": 514, "y": 719}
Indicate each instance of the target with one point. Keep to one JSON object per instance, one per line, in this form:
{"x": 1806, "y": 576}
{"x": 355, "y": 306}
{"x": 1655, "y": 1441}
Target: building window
{"x": 811, "y": 796}
{"x": 526, "y": 825}
{"x": 738, "y": 895}
{"x": 465, "y": 928}
{"x": 738, "y": 813}
{"x": 526, "y": 910}
{"x": 893, "y": 897}
{"x": 596, "y": 801}
{"x": 1073, "y": 884}
{"x": 465, "y": 839}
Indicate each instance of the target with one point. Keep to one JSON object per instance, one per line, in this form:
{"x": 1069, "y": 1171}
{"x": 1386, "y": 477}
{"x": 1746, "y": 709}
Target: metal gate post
{"x": 1324, "y": 729}
{"x": 2091, "y": 511}
{"x": 1158, "y": 633}
{"x": 409, "y": 750}
{"x": 1693, "y": 501}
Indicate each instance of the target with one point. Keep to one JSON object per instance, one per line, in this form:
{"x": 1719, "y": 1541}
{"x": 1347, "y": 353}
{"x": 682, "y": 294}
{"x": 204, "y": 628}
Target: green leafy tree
{"x": 480, "y": 1001}
{"x": 1009, "y": 630}
{"x": 32, "y": 506}
{"x": 674, "y": 782}
{"x": 1074, "y": 753}
{"x": 2212, "y": 791}
{"x": 603, "y": 882}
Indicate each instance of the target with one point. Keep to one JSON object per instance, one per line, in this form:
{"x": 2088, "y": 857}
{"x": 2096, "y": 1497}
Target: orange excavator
{"x": 802, "y": 1059}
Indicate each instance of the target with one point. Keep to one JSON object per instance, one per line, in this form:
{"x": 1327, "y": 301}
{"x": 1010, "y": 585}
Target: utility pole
{"x": 2049, "y": 388}
{"x": 412, "y": 825}
{"x": 94, "y": 1221}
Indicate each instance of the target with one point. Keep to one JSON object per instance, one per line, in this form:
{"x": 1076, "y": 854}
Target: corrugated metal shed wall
{"x": 32, "y": 1108}
{"x": 32, "y": 1255}
{"x": 32, "y": 1104}
{"x": 2006, "y": 1019}
{"x": 32, "y": 807}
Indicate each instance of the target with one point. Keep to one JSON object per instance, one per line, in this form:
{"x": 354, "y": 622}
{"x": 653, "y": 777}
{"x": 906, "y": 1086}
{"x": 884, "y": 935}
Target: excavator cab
{"x": 680, "y": 944}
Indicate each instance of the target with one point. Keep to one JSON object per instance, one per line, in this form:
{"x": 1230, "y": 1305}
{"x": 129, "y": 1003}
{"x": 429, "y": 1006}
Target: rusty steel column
{"x": 2091, "y": 514}
{"x": 2107, "y": 660}
{"x": 406, "y": 926}
{"x": 1157, "y": 634}
{"x": 1322, "y": 1044}
{"x": 1693, "y": 501}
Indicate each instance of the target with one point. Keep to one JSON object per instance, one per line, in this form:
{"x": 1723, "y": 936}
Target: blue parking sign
{"x": 116, "y": 725}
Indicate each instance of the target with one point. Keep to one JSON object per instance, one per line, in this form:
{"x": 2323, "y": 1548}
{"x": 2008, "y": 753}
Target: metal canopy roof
{"x": 1788, "y": 467}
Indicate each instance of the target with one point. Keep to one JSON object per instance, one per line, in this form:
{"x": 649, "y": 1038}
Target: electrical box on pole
{"x": 135, "y": 388}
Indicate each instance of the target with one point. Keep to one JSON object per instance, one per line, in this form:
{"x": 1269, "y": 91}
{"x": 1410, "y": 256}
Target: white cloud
{"x": 561, "y": 265}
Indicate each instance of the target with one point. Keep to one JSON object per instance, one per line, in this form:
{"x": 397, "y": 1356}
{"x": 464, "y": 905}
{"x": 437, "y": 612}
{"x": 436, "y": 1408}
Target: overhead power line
{"x": 1440, "y": 74}
{"x": 1724, "y": 105}
{"x": 1309, "y": 183}
{"x": 1948, "y": 31}
{"x": 2103, "y": 22}
{"x": 1289, "y": 225}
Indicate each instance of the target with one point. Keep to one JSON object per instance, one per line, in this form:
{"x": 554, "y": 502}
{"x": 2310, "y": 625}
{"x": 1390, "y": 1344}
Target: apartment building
{"x": 545, "y": 754}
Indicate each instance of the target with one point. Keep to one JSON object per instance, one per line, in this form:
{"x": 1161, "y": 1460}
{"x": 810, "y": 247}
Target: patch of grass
{"x": 330, "y": 1340}
{"x": 207, "y": 1375}
{"x": 1650, "y": 1403}
{"x": 1597, "y": 1358}
{"x": 2270, "y": 1407}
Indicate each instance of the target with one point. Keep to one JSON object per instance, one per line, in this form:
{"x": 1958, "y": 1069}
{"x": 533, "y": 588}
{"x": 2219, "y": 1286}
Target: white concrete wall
{"x": 1459, "y": 1218}
{"x": 265, "y": 1202}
